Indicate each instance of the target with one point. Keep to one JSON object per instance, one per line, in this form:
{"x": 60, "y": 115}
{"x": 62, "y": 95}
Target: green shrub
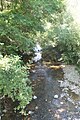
{"x": 14, "y": 81}
{"x": 68, "y": 40}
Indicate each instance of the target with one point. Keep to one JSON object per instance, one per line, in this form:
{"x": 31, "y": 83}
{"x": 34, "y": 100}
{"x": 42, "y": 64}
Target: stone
{"x": 34, "y": 97}
{"x": 30, "y": 112}
{"x": 56, "y": 96}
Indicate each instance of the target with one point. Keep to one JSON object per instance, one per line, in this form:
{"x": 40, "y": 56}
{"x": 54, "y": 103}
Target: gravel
{"x": 71, "y": 79}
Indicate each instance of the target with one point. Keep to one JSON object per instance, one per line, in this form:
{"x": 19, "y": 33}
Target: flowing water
{"x": 38, "y": 54}
{"x": 50, "y": 101}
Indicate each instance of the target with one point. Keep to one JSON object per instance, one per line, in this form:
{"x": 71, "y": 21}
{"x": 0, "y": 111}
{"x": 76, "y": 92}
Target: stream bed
{"x": 50, "y": 101}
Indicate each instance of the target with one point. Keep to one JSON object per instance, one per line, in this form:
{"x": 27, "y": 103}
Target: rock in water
{"x": 56, "y": 96}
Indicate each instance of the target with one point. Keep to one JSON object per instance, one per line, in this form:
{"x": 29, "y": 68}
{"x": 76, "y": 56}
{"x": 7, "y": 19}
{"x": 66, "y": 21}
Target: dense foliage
{"x": 14, "y": 81}
{"x": 68, "y": 40}
{"x": 21, "y": 21}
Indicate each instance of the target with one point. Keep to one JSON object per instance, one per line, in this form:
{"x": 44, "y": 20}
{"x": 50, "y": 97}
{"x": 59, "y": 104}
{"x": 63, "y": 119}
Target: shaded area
{"x": 7, "y": 110}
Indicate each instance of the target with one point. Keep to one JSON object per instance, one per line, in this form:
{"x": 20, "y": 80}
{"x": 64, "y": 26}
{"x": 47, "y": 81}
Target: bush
{"x": 14, "y": 81}
{"x": 68, "y": 40}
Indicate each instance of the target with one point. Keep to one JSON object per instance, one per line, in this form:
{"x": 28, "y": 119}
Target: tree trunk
{"x": 1, "y": 5}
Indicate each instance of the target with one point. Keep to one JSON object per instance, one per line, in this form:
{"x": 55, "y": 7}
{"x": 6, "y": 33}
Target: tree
{"x": 1, "y": 5}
